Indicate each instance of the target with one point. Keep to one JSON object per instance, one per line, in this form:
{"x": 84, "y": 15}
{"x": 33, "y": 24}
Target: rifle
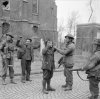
{"x": 79, "y": 69}
{"x": 60, "y": 62}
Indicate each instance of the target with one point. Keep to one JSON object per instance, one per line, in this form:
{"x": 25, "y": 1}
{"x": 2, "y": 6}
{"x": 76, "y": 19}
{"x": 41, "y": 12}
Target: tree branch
{"x": 91, "y": 10}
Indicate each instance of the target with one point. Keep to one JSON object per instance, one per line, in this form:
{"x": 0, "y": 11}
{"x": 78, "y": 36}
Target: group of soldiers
{"x": 25, "y": 52}
{"x": 92, "y": 66}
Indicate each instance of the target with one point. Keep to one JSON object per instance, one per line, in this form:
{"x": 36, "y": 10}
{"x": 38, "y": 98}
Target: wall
{"x": 86, "y": 33}
{"x": 47, "y": 13}
{"x": 22, "y": 19}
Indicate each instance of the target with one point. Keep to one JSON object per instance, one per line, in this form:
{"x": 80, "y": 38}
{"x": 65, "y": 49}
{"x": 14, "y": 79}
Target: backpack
{"x": 20, "y": 54}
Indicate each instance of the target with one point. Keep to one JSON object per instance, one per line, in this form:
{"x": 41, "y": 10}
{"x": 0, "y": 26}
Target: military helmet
{"x": 96, "y": 42}
{"x": 70, "y": 36}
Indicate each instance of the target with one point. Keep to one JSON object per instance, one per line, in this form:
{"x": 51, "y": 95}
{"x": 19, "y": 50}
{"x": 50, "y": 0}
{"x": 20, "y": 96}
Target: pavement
{"x": 33, "y": 90}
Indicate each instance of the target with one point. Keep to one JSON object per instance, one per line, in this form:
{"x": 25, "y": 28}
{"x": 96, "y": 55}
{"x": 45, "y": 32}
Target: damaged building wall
{"x": 22, "y": 17}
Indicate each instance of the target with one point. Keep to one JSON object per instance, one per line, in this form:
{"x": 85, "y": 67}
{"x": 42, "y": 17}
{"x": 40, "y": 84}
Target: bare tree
{"x": 90, "y": 4}
{"x": 72, "y": 22}
{"x": 61, "y": 29}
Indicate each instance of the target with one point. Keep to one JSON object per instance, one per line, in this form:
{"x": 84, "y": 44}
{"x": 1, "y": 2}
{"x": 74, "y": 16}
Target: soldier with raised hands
{"x": 48, "y": 65}
{"x": 27, "y": 57}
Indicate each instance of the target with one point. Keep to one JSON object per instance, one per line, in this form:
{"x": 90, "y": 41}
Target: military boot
{"x": 28, "y": 78}
{"x": 64, "y": 86}
{"x": 49, "y": 88}
{"x": 69, "y": 87}
{"x": 12, "y": 81}
{"x": 3, "y": 82}
{"x": 23, "y": 79}
{"x": 44, "y": 91}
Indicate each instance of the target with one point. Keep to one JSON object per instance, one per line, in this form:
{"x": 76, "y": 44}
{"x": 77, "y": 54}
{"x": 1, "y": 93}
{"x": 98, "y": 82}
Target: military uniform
{"x": 93, "y": 70}
{"x": 27, "y": 51}
{"x": 7, "y": 53}
{"x": 68, "y": 63}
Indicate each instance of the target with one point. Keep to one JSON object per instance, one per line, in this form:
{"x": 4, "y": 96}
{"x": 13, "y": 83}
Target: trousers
{"x": 26, "y": 68}
{"x": 7, "y": 63}
{"x": 47, "y": 74}
{"x": 69, "y": 76}
{"x": 94, "y": 87}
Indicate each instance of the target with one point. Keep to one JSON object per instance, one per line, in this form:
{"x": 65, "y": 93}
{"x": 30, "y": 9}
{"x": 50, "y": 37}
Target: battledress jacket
{"x": 68, "y": 53}
{"x": 23, "y": 50}
{"x": 7, "y": 48}
{"x": 92, "y": 67}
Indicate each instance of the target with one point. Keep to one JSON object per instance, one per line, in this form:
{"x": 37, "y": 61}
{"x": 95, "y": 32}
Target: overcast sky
{"x": 66, "y": 7}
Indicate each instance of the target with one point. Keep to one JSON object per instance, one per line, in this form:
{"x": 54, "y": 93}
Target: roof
{"x": 89, "y": 24}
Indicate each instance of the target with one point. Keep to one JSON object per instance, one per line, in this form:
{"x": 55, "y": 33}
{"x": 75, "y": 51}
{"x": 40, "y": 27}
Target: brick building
{"x": 86, "y": 34}
{"x": 29, "y": 18}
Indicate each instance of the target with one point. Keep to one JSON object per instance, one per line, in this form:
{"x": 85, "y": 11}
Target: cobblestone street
{"x": 32, "y": 90}
{"x": 40, "y": 40}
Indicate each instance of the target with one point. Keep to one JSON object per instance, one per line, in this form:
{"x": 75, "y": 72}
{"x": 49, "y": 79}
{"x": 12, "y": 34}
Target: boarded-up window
{"x": 6, "y": 5}
{"x": 5, "y": 28}
{"x": 35, "y": 6}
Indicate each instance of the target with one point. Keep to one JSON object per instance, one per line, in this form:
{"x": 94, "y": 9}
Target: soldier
{"x": 27, "y": 56}
{"x": 7, "y": 53}
{"x": 68, "y": 63}
{"x": 48, "y": 66}
{"x": 92, "y": 68}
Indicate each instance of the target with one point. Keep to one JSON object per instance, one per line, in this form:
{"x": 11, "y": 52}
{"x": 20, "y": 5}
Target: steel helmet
{"x": 96, "y": 41}
{"x": 70, "y": 36}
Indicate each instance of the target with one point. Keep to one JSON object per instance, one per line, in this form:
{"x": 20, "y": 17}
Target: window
{"x": 35, "y": 7}
{"x": 5, "y": 27}
{"x": 6, "y": 5}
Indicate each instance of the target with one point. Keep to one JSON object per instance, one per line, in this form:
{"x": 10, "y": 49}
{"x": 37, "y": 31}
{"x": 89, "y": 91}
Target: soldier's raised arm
{"x": 67, "y": 50}
{"x": 44, "y": 50}
{"x": 18, "y": 43}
